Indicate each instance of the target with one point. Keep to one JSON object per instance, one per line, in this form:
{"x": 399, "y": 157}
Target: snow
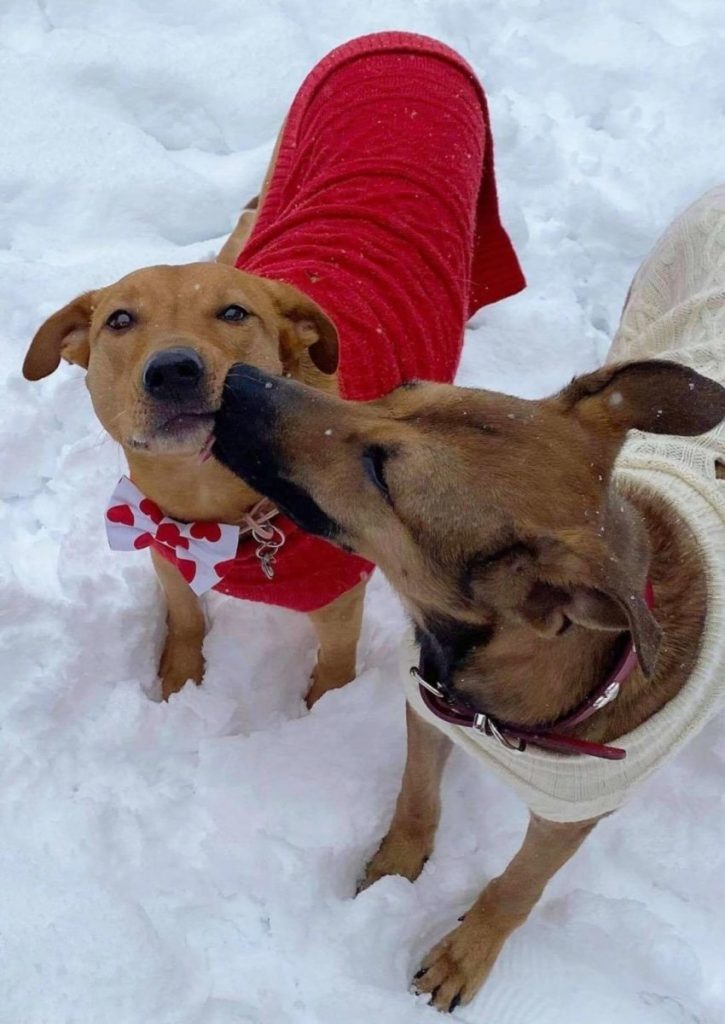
{"x": 194, "y": 863}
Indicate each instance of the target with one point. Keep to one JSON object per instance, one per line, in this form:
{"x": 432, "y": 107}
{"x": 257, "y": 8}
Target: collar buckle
{"x": 610, "y": 694}
{"x": 487, "y": 727}
{"x": 433, "y": 688}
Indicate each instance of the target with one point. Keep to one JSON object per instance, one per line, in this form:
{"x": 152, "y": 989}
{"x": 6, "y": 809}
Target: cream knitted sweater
{"x": 675, "y": 310}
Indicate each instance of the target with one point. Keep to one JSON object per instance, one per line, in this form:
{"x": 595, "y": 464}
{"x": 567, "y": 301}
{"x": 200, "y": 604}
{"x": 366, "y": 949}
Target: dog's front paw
{"x": 328, "y": 676}
{"x": 399, "y": 854}
{"x": 455, "y": 969}
{"x": 182, "y": 660}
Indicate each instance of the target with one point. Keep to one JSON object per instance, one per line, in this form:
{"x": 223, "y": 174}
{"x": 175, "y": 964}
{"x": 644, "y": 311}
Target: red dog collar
{"x": 548, "y": 737}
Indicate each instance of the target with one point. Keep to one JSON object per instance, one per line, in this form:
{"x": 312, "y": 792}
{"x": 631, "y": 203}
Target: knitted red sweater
{"x": 382, "y": 208}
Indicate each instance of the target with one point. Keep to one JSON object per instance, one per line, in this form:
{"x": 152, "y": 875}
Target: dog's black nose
{"x": 173, "y": 373}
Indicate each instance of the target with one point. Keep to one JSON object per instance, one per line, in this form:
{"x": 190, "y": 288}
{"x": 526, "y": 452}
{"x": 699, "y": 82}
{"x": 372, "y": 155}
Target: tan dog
{"x": 157, "y": 346}
{"x": 389, "y": 221}
{"x": 523, "y": 561}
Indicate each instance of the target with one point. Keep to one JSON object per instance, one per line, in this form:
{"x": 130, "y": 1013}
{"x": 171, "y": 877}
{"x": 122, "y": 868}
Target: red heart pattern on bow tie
{"x": 169, "y": 533}
{"x": 121, "y": 514}
{"x": 206, "y": 531}
{"x": 151, "y": 509}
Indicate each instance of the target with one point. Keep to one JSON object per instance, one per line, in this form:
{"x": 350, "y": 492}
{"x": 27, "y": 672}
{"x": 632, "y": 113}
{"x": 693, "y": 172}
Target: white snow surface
{"x": 195, "y": 863}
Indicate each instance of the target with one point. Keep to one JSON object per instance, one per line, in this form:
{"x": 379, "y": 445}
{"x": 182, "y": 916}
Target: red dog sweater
{"x": 382, "y": 208}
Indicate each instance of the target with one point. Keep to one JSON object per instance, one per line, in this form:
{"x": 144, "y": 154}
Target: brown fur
{"x": 284, "y": 333}
{"x": 498, "y": 520}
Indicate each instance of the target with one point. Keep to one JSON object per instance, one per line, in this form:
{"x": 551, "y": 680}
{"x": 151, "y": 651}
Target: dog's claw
{"x": 455, "y": 1003}
{"x": 420, "y": 973}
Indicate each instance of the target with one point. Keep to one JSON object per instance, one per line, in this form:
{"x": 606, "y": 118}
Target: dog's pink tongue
{"x": 205, "y": 452}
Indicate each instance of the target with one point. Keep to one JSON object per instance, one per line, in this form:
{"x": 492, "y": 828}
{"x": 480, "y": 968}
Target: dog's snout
{"x": 173, "y": 373}
{"x": 242, "y": 376}
{"x": 246, "y": 423}
{"x": 251, "y": 393}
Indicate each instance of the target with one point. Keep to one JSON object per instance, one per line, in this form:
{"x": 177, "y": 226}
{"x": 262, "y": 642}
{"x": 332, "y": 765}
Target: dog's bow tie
{"x": 201, "y": 550}
{"x": 204, "y": 553}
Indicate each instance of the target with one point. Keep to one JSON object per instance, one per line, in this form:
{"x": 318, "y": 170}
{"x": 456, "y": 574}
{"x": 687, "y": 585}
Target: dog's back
{"x": 676, "y": 305}
{"x": 382, "y": 208}
{"x": 676, "y": 310}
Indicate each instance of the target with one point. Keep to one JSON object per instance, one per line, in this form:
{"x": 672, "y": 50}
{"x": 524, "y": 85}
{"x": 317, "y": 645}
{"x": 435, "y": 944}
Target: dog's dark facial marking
{"x": 299, "y": 506}
{"x": 444, "y": 645}
{"x": 245, "y": 427}
{"x": 245, "y": 442}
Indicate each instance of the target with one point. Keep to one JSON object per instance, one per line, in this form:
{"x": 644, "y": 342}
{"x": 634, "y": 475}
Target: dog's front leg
{"x": 411, "y": 835}
{"x": 457, "y": 967}
{"x": 182, "y": 658}
{"x": 338, "y": 630}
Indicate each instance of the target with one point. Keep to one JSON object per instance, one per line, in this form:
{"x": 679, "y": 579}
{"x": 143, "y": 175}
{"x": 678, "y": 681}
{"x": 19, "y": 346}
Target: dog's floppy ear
{"x": 306, "y": 329}
{"x": 66, "y": 334}
{"x": 601, "y": 591}
{"x": 571, "y": 577}
{"x": 656, "y": 396}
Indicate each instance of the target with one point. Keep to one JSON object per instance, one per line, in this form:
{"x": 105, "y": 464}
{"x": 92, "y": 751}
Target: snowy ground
{"x": 194, "y": 863}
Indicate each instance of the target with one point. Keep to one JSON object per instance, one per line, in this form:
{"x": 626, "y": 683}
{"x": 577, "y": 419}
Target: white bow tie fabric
{"x": 201, "y": 551}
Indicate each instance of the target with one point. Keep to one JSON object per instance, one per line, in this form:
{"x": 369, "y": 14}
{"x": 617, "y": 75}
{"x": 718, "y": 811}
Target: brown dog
{"x": 460, "y": 497}
{"x": 523, "y": 561}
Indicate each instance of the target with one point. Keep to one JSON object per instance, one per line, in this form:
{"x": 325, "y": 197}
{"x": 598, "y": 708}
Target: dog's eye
{"x": 373, "y": 461}
{"x": 232, "y": 314}
{"x": 119, "y": 320}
